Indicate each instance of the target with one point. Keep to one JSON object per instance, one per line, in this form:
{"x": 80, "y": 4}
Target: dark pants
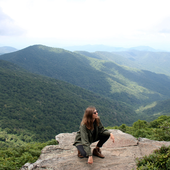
{"x": 102, "y": 140}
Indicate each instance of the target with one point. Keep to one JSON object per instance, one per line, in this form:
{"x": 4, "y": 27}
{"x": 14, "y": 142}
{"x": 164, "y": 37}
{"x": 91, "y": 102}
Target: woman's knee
{"x": 83, "y": 154}
{"x": 82, "y": 151}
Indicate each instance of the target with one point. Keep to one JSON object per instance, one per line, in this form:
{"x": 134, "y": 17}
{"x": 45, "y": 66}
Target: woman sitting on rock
{"x": 91, "y": 130}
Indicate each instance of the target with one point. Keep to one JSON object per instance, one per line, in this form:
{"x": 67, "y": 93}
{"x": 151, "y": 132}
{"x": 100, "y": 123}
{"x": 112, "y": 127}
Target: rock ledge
{"x": 120, "y": 155}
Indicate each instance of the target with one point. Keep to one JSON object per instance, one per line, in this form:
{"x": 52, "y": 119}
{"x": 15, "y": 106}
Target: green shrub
{"x": 158, "y": 160}
{"x": 123, "y": 128}
{"x": 15, "y": 158}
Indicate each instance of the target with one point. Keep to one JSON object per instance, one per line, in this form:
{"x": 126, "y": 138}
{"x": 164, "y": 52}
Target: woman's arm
{"x": 112, "y": 137}
{"x": 105, "y": 131}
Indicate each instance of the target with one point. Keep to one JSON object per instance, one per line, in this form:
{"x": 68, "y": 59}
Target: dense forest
{"x": 44, "y": 107}
{"x": 158, "y": 129}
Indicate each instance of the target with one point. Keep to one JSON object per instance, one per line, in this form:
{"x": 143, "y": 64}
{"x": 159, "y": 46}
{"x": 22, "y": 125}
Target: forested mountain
{"x": 106, "y": 78}
{"x": 157, "y": 62}
{"x": 43, "y": 107}
{"x": 110, "y": 56}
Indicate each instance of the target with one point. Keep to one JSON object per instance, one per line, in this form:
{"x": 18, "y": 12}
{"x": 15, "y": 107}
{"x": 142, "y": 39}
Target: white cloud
{"x": 164, "y": 26}
{"x": 8, "y": 26}
{"x": 89, "y": 21}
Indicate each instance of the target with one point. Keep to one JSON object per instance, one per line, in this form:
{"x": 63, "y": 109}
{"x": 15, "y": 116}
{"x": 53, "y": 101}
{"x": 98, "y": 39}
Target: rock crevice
{"x": 120, "y": 155}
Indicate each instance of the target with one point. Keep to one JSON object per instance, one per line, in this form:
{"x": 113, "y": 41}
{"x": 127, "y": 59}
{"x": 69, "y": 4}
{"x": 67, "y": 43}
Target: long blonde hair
{"x": 88, "y": 118}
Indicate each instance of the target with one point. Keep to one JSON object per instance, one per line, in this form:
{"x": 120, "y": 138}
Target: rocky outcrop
{"x": 120, "y": 155}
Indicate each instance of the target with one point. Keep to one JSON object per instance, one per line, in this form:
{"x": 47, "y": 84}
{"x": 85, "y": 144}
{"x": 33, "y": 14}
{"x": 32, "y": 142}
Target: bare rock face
{"x": 119, "y": 155}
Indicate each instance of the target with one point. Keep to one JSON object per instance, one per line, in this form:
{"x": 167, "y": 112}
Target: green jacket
{"x": 84, "y": 136}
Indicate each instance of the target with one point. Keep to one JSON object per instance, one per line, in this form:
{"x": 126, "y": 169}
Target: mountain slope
{"x": 154, "y": 61}
{"x": 157, "y": 62}
{"x": 44, "y": 107}
{"x": 110, "y": 56}
{"x": 100, "y": 76}
{"x": 155, "y": 109}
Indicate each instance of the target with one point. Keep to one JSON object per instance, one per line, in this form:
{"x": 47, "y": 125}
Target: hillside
{"x": 153, "y": 61}
{"x": 42, "y": 107}
{"x": 134, "y": 87}
{"x": 154, "y": 109}
{"x": 157, "y": 62}
{"x": 110, "y": 56}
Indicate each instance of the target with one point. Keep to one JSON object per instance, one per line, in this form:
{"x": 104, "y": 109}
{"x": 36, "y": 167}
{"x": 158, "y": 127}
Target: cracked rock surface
{"x": 119, "y": 155}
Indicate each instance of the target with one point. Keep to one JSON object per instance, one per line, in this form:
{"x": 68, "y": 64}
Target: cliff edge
{"x": 120, "y": 155}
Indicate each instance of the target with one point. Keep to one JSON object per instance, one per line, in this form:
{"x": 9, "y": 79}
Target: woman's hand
{"x": 112, "y": 137}
{"x": 90, "y": 160}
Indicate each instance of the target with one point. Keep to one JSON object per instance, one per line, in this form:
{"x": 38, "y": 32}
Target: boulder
{"x": 120, "y": 155}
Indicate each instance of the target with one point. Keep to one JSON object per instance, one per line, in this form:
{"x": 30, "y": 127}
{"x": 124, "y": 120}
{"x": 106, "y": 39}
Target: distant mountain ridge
{"x": 7, "y": 49}
{"x": 94, "y": 48}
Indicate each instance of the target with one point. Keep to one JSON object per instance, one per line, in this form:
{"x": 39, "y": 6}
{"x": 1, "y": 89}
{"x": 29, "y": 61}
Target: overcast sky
{"x": 60, "y": 23}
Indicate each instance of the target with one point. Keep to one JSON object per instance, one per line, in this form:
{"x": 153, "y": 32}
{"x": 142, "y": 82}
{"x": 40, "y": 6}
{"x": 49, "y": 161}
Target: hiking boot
{"x": 79, "y": 154}
{"x": 97, "y": 152}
